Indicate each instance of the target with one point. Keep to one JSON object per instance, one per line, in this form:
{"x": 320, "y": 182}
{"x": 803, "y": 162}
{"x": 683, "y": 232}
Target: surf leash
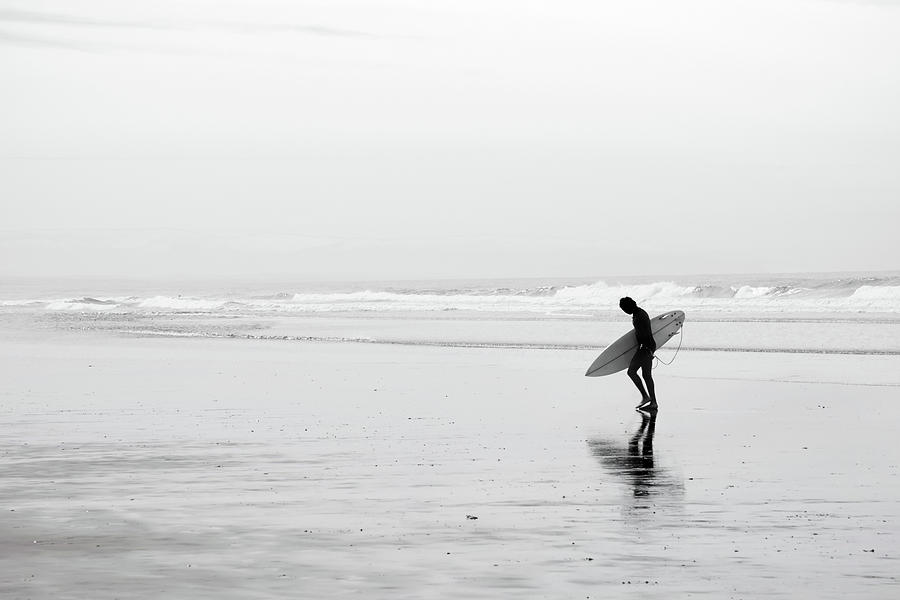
{"x": 680, "y": 338}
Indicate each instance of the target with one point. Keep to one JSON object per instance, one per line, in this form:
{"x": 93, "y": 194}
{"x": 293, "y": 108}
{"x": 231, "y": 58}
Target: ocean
{"x": 836, "y": 313}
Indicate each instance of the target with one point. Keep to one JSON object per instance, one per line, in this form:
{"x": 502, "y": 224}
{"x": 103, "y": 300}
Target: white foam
{"x": 875, "y": 292}
{"x": 22, "y": 302}
{"x": 74, "y": 305}
{"x": 167, "y": 302}
{"x": 747, "y": 291}
{"x": 601, "y": 293}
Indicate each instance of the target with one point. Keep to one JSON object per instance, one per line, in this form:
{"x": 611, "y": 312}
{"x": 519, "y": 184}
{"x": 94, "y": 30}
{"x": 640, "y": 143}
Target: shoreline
{"x": 837, "y": 337}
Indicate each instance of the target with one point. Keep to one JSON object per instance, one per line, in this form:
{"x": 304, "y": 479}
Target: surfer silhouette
{"x": 643, "y": 358}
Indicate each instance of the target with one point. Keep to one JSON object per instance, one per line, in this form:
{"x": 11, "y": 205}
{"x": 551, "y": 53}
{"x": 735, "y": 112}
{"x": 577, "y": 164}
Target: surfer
{"x": 643, "y": 358}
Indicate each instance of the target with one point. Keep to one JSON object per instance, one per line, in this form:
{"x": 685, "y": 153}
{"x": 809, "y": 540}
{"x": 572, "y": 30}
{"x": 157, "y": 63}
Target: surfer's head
{"x": 627, "y": 304}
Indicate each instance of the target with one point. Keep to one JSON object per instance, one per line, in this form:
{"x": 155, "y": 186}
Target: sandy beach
{"x": 217, "y": 468}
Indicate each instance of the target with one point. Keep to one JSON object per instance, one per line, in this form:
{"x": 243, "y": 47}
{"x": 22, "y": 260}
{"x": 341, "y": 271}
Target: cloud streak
{"x": 35, "y": 41}
{"x": 13, "y": 18}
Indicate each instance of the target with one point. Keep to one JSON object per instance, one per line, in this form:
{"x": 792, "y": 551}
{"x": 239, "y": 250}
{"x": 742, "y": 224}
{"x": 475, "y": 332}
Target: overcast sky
{"x": 448, "y": 138}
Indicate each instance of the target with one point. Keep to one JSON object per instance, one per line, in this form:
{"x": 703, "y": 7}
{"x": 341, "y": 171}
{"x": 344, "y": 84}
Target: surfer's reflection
{"x": 635, "y": 463}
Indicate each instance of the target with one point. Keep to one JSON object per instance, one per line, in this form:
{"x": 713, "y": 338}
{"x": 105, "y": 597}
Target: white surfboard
{"x": 617, "y": 355}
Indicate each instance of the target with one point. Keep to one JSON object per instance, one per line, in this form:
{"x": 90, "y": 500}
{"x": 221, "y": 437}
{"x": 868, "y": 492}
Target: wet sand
{"x": 205, "y": 468}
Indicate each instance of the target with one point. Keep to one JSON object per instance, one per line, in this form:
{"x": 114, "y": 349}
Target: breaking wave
{"x": 839, "y": 295}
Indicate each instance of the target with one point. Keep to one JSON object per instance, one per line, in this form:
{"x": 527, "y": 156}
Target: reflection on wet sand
{"x": 635, "y": 465}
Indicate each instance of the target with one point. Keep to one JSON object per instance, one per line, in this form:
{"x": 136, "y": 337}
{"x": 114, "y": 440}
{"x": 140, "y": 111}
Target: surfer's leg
{"x": 632, "y": 373}
{"x": 647, "y": 372}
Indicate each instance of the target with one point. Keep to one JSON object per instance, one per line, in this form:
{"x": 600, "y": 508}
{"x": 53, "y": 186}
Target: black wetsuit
{"x": 646, "y": 344}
